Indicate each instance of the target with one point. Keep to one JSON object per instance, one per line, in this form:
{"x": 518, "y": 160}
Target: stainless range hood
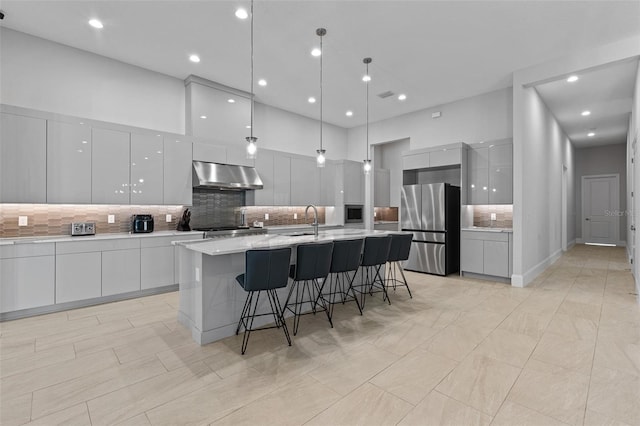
{"x": 225, "y": 176}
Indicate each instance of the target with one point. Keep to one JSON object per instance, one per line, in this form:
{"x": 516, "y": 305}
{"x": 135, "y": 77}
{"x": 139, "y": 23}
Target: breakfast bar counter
{"x": 210, "y": 298}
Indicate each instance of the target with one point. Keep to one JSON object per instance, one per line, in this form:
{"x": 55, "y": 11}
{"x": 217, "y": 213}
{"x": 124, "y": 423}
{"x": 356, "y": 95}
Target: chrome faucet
{"x": 243, "y": 217}
{"x": 315, "y": 218}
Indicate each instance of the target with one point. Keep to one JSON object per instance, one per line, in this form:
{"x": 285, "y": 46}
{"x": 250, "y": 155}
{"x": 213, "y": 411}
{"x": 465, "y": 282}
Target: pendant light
{"x": 320, "y": 159}
{"x": 367, "y": 79}
{"x": 252, "y": 148}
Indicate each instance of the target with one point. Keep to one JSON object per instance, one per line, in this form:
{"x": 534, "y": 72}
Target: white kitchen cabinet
{"x": 109, "y": 167}
{"x": 147, "y": 164}
{"x": 23, "y": 159}
{"x": 305, "y": 181}
{"x": 27, "y": 276}
{"x": 121, "y": 271}
{"x": 382, "y": 188}
{"x": 177, "y": 175}
{"x": 328, "y": 184}
{"x": 68, "y": 163}
{"x": 486, "y": 253}
{"x": 78, "y": 276}
{"x": 238, "y": 155}
{"x": 501, "y": 174}
{"x": 209, "y": 153}
{"x": 445, "y": 157}
{"x": 353, "y": 182}
{"x": 281, "y": 180}
{"x": 157, "y": 266}
{"x": 415, "y": 161}
{"x": 264, "y": 167}
{"x": 478, "y": 177}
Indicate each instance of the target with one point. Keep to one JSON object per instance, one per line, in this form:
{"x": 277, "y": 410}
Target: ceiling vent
{"x": 385, "y": 94}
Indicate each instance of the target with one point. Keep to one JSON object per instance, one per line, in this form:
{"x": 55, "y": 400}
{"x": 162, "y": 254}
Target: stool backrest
{"x": 400, "y": 247}
{"x": 267, "y": 269}
{"x": 346, "y": 255}
{"x": 313, "y": 261}
{"x": 376, "y": 250}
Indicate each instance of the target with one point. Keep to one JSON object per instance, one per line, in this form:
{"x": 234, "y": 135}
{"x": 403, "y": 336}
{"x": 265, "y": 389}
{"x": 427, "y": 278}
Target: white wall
{"x": 471, "y": 120}
{"x": 633, "y": 238}
{"x": 389, "y": 156}
{"x": 275, "y": 128}
{"x": 601, "y": 160}
{"x": 43, "y": 75}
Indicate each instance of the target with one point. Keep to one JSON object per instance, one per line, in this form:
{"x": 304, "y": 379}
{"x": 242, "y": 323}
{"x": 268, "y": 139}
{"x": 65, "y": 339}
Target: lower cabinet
{"x": 78, "y": 276}
{"x": 27, "y": 282}
{"x": 486, "y": 253}
{"x": 120, "y": 271}
{"x": 157, "y": 267}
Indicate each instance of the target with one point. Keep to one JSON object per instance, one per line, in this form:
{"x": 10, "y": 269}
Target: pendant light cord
{"x": 367, "y": 114}
{"x": 321, "y": 55}
{"x": 252, "y": 94}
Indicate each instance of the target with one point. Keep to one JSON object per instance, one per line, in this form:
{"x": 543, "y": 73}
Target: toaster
{"x": 142, "y": 223}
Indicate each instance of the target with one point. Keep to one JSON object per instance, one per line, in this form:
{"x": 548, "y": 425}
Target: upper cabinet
{"x": 264, "y": 167}
{"x": 23, "y": 159}
{"x": 305, "y": 181}
{"x": 238, "y": 155}
{"x": 353, "y": 184}
{"x": 147, "y": 164}
{"x": 177, "y": 174}
{"x": 110, "y": 167}
{"x": 281, "y": 179}
{"x": 328, "y": 185}
{"x": 490, "y": 177}
{"x": 447, "y": 155}
{"x": 382, "y": 188}
{"x": 209, "y": 153}
{"x": 68, "y": 163}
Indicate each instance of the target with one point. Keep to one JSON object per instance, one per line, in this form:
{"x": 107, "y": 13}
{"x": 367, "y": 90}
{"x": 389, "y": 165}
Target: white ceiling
{"x": 606, "y": 91}
{"x": 435, "y": 52}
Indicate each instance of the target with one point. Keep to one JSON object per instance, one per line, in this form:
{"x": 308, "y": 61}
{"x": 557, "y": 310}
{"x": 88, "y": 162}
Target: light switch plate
{"x": 493, "y": 216}
{"x": 111, "y": 218}
{"x": 266, "y": 216}
{"x": 168, "y": 218}
{"x": 295, "y": 215}
{"x": 23, "y": 220}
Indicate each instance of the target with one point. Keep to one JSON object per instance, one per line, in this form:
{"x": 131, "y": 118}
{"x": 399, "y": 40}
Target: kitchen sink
{"x": 298, "y": 234}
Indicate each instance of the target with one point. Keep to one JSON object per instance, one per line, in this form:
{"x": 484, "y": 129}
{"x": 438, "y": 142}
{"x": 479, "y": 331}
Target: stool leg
{"x": 323, "y": 301}
{"x": 353, "y": 292}
{"x": 245, "y": 310}
{"x": 404, "y": 279}
{"x": 247, "y": 331}
{"x": 279, "y": 314}
{"x": 382, "y": 284}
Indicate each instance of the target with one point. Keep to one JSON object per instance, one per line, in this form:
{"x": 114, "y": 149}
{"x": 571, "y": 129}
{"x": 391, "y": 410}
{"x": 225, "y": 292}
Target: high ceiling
{"x": 606, "y": 92}
{"x": 434, "y": 52}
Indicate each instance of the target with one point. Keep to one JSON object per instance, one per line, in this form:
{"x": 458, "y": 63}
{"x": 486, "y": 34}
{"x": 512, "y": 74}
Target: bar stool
{"x": 398, "y": 252}
{"x": 312, "y": 263}
{"x": 345, "y": 259}
{"x": 265, "y": 270}
{"x": 374, "y": 256}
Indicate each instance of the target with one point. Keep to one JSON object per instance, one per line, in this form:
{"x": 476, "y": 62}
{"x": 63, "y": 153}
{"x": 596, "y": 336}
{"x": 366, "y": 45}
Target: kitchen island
{"x": 210, "y": 298}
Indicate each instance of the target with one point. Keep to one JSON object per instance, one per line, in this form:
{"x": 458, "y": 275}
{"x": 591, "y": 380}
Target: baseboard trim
{"x": 532, "y": 273}
{"x": 620, "y": 243}
{"x": 571, "y": 244}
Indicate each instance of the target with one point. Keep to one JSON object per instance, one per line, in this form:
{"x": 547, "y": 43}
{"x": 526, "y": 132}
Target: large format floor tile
{"x": 563, "y": 351}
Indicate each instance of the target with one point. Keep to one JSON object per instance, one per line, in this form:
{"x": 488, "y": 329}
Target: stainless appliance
{"x": 141, "y": 223}
{"x": 225, "y": 176}
{"x": 353, "y": 213}
{"x": 83, "y": 228}
{"x": 432, "y": 213}
{"x": 230, "y": 231}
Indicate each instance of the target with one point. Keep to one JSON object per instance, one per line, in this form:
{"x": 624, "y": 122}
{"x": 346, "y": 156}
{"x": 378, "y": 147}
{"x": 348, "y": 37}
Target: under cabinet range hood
{"x": 225, "y": 176}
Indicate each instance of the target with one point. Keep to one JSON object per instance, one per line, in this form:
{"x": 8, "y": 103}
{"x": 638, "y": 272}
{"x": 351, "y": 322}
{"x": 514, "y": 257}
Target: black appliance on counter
{"x": 141, "y": 223}
{"x": 432, "y": 213}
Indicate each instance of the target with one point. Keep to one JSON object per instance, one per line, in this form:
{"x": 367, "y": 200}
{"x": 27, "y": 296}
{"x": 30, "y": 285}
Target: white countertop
{"x": 486, "y": 229}
{"x": 66, "y": 238}
{"x": 241, "y": 244}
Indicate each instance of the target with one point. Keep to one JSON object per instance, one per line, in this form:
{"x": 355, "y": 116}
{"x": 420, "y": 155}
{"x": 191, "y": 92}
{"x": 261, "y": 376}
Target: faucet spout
{"x": 315, "y": 218}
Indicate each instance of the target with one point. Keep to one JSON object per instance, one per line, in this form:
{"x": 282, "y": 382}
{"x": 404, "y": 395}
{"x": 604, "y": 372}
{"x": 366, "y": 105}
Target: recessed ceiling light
{"x": 572, "y": 79}
{"x": 349, "y": 113}
{"x": 312, "y": 100}
{"x": 402, "y": 97}
{"x": 203, "y": 117}
{"x": 316, "y": 52}
{"x": 231, "y": 101}
{"x": 95, "y": 23}
{"x": 591, "y": 134}
{"x": 366, "y": 78}
{"x": 262, "y": 82}
{"x": 241, "y": 13}
{"x": 585, "y": 113}
{"x": 194, "y": 58}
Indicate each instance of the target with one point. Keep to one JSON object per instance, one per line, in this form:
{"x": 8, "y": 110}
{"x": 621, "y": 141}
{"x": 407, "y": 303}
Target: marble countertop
{"x": 486, "y": 229}
{"x": 241, "y": 244}
{"x": 66, "y": 238}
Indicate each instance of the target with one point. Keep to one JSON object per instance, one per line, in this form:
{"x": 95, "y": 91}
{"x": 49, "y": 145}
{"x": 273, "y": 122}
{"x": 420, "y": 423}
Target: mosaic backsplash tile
{"x": 281, "y": 215}
{"x": 504, "y": 216}
{"x": 386, "y": 214}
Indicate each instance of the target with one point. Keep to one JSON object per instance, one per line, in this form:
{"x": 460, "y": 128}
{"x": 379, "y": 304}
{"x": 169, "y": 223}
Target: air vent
{"x": 385, "y": 94}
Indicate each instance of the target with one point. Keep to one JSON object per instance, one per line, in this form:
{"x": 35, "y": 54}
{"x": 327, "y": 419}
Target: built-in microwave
{"x": 353, "y": 213}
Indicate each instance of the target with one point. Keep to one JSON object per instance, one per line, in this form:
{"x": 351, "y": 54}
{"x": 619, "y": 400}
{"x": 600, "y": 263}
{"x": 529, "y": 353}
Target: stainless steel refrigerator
{"x": 432, "y": 213}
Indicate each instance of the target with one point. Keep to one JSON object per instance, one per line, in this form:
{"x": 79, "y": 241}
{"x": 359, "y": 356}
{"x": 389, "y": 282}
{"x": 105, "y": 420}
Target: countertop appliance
{"x": 230, "y": 231}
{"x": 432, "y": 213}
{"x": 353, "y": 213}
{"x": 141, "y": 223}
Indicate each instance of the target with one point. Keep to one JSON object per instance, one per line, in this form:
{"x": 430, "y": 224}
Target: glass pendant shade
{"x": 320, "y": 159}
{"x": 367, "y": 166}
{"x": 252, "y": 147}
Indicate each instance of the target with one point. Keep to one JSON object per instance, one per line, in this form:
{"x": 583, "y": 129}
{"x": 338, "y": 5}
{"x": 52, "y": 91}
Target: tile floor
{"x": 563, "y": 351}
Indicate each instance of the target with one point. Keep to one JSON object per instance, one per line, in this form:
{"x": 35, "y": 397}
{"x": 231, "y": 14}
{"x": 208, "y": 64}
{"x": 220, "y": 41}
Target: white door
{"x": 632, "y": 217}
{"x": 600, "y": 209}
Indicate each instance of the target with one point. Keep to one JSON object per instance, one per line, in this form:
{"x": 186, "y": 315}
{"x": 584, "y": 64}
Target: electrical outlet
{"x": 197, "y": 274}
{"x": 295, "y": 215}
{"x": 23, "y": 220}
{"x": 493, "y": 216}
{"x": 266, "y": 216}
{"x": 168, "y": 218}
{"x": 111, "y": 218}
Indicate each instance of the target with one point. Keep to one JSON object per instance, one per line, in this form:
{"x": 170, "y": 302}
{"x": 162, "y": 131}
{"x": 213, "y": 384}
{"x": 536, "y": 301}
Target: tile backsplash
{"x": 56, "y": 219}
{"x": 387, "y": 214}
{"x": 281, "y": 215}
{"x": 504, "y": 216}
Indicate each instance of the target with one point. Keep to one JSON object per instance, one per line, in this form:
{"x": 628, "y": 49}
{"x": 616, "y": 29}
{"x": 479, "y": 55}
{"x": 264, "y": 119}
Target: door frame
{"x": 565, "y": 209}
{"x": 616, "y": 207}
